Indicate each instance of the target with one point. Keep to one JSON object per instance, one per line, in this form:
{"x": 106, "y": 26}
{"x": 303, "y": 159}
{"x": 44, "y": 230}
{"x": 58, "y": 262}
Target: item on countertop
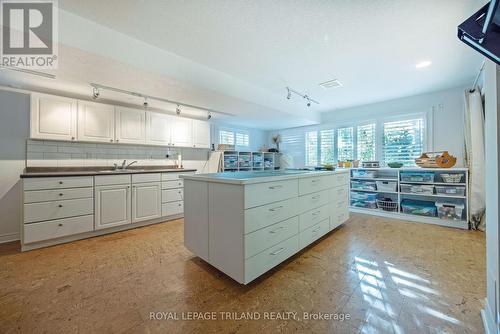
{"x": 273, "y": 150}
{"x": 427, "y": 177}
{"x": 276, "y": 141}
{"x": 451, "y": 178}
{"x": 421, "y": 208}
{"x": 421, "y": 189}
{"x": 225, "y": 147}
{"x": 450, "y": 190}
{"x": 369, "y": 174}
{"x": 355, "y": 163}
{"x": 370, "y": 164}
{"x": 450, "y": 210}
{"x": 395, "y": 164}
{"x": 328, "y": 166}
{"x": 440, "y": 159}
{"x": 387, "y": 204}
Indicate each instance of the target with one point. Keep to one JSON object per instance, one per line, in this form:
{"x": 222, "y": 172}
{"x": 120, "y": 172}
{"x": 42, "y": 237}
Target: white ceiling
{"x": 238, "y": 56}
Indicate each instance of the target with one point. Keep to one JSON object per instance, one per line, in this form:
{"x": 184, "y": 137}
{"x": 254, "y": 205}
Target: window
{"x": 366, "y": 142}
{"x": 402, "y": 141}
{"x": 237, "y": 138}
{"x": 226, "y": 137}
{"x": 345, "y": 144}
{"x": 242, "y": 139}
{"x": 327, "y": 142}
{"x": 312, "y": 148}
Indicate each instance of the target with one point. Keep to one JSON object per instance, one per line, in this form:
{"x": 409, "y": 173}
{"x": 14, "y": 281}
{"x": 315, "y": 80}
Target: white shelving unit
{"x": 249, "y": 161}
{"x": 394, "y": 175}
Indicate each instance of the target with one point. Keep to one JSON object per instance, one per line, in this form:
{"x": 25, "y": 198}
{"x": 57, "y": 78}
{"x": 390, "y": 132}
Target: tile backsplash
{"x": 45, "y": 153}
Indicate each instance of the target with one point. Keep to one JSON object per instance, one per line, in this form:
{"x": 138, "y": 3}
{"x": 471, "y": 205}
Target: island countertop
{"x": 258, "y": 176}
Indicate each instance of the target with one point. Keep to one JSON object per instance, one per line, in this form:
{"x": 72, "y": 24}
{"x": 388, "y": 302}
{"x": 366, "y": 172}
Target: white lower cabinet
{"x": 112, "y": 206}
{"x": 146, "y": 201}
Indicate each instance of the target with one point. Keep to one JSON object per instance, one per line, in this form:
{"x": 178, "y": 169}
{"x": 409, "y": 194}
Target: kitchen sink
{"x": 122, "y": 171}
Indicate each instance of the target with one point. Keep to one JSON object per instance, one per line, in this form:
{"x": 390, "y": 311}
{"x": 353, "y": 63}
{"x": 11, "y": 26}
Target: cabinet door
{"x": 182, "y": 132}
{"x": 96, "y": 122}
{"x": 130, "y": 126}
{"x": 53, "y": 117}
{"x": 158, "y": 129}
{"x": 146, "y": 201}
{"x": 201, "y": 134}
{"x": 112, "y": 206}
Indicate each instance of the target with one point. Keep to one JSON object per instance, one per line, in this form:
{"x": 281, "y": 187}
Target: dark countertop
{"x": 92, "y": 171}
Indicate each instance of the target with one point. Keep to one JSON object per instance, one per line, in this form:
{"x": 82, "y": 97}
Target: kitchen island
{"x": 245, "y": 223}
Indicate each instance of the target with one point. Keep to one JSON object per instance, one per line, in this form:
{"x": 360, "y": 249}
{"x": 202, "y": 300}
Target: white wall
{"x": 492, "y": 150}
{"x": 445, "y": 113}
{"x": 258, "y": 138}
{"x": 14, "y": 125}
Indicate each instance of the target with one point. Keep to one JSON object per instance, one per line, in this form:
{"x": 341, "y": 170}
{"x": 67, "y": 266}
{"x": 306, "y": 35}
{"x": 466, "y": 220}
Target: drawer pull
{"x": 61, "y": 194}
{"x": 316, "y": 197}
{"x": 276, "y": 208}
{"x": 316, "y": 229}
{"x": 275, "y": 187}
{"x": 277, "y": 230}
{"x": 179, "y": 204}
{"x": 60, "y": 205}
{"x": 60, "y": 224}
{"x": 315, "y": 181}
{"x": 316, "y": 213}
{"x": 278, "y": 251}
{"x": 61, "y": 182}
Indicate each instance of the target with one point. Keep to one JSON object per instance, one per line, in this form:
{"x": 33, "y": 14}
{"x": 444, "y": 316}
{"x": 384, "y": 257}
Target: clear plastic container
{"x": 359, "y": 173}
{"x": 421, "y": 208}
{"x": 390, "y": 186}
{"x": 450, "y": 190}
{"x": 421, "y": 189}
{"x": 452, "y": 211}
{"x": 417, "y": 177}
{"x": 362, "y": 196}
{"x": 363, "y": 185}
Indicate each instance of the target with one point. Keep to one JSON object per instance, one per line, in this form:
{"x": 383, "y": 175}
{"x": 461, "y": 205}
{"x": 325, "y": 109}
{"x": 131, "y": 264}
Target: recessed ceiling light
{"x": 423, "y": 64}
{"x": 331, "y": 84}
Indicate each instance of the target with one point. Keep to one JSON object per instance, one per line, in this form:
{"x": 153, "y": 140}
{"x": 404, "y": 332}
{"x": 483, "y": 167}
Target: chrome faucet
{"x": 130, "y": 164}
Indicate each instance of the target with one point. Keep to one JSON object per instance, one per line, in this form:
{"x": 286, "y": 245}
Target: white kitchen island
{"x": 245, "y": 223}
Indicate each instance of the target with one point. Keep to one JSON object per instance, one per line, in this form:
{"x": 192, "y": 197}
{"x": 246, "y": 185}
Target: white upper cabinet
{"x": 53, "y": 117}
{"x": 182, "y": 132}
{"x": 201, "y": 134}
{"x": 158, "y": 129}
{"x": 96, "y": 122}
{"x": 130, "y": 126}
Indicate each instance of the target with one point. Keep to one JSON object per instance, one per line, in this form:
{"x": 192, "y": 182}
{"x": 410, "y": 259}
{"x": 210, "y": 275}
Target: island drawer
{"x": 340, "y": 194}
{"x": 312, "y": 217}
{"x": 57, "y": 228}
{"x": 263, "y": 216}
{"x": 338, "y": 217}
{"x": 172, "y": 184}
{"x": 341, "y": 179}
{"x": 171, "y": 195}
{"x": 34, "y": 212}
{"x": 257, "y": 241}
{"x": 145, "y": 178}
{"x": 313, "y": 233}
{"x": 312, "y": 201}
{"x": 313, "y": 184}
{"x": 269, "y": 192}
{"x": 172, "y": 208}
{"x": 271, "y": 257}
{"x": 34, "y": 196}
{"x": 43, "y": 183}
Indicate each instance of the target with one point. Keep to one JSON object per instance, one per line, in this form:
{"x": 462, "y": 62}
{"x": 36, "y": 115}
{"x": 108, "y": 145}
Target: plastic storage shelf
{"x": 369, "y": 174}
{"x": 363, "y": 185}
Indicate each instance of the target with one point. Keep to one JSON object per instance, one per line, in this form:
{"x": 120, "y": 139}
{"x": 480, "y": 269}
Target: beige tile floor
{"x": 388, "y": 276}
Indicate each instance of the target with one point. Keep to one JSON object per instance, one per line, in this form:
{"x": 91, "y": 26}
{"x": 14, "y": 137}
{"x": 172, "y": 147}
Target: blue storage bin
{"x": 421, "y": 208}
{"x": 363, "y": 196}
{"x": 417, "y": 177}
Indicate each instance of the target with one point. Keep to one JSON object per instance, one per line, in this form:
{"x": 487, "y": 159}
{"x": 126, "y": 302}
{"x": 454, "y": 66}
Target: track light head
{"x": 209, "y": 116}
{"x": 308, "y": 100}
{"x": 95, "y": 93}
{"x": 178, "y": 110}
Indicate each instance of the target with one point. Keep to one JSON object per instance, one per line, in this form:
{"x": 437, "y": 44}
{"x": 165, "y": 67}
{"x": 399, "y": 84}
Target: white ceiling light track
{"x": 32, "y": 72}
{"x": 290, "y": 91}
{"x": 96, "y": 88}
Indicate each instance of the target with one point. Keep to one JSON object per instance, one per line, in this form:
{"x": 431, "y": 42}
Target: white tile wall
{"x": 43, "y": 153}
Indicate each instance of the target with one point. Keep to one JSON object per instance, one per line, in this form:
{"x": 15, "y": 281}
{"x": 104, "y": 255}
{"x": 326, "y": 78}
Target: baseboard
{"x": 9, "y": 237}
{"x": 488, "y": 321}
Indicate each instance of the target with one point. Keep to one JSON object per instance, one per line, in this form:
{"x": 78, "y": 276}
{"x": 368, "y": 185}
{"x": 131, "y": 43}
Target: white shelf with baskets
{"x": 429, "y": 195}
{"x": 250, "y": 161}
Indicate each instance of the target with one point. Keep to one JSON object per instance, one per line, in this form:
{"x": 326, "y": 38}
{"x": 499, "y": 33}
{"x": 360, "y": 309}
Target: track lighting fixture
{"x": 289, "y": 92}
{"x": 209, "y": 116}
{"x": 178, "y": 109}
{"x": 95, "y": 93}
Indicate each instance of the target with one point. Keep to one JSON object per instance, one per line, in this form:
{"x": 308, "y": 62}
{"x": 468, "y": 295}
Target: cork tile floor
{"x": 382, "y": 276}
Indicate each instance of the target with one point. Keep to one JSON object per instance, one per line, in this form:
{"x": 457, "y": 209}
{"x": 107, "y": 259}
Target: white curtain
{"x": 474, "y": 156}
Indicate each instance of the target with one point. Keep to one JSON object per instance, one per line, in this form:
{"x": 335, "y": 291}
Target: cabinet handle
{"x": 316, "y": 213}
{"x": 194, "y": 145}
{"x": 60, "y": 224}
{"x": 179, "y": 204}
{"x": 72, "y": 138}
{"x": 315, "y": 181}
{"x": 117, "y": 140}
{"x": 60, "y": 205}
{"x": 316, "y": 197}
{"x": 316, "y": 229}
{"x": 277, "y": 229}
{"x": 275, "y": 187}
{"x": 61, "y": 182}
{"x": 111, "y": 140}
{"x": 278, "y": 251}
{"x": 61, "y": 194}
{"x": 276, "y": 208}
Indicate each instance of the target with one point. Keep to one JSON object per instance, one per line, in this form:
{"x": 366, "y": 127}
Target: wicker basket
{"x": 452, "y": 178}
{"x": 387, "y": 205}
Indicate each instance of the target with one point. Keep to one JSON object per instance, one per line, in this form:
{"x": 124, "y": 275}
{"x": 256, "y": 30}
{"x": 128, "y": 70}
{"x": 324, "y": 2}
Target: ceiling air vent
{"x": 331, "y": 84}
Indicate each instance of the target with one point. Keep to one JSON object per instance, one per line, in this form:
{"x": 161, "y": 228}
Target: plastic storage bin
{"x": 420, "y": 189}
{"x": 390, "y": 186}
{"x": 452, "y": 177}
{"x": 450, "y": 190}
{"x": 450, "y": 210}
{"x": 417, "y": 177}
{"x": 421, "y": 208}
{"x": 363, "y": 185}
{"x": 362, "y": 196}
{"x": 364, "y": 173}
{"x": 364, "y": 204}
